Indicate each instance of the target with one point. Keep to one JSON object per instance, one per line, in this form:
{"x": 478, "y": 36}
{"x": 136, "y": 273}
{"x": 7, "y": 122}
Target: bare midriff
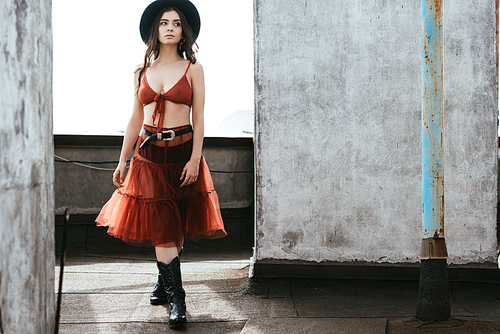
{"x": 176, "y": 114}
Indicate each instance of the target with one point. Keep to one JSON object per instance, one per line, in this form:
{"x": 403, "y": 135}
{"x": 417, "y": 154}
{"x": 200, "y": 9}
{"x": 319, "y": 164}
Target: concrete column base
{"x": 434, "y": 296}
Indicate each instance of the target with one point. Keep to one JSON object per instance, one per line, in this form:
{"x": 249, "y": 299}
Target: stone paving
{"x": 108, "y": 292}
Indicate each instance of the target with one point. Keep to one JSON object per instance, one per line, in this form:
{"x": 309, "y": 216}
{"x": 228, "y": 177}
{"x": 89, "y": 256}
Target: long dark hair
{"x": 186, "y": 50}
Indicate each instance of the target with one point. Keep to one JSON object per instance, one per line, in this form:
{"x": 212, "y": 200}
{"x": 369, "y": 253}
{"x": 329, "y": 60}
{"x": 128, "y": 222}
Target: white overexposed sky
{"x": 97, "y": 46}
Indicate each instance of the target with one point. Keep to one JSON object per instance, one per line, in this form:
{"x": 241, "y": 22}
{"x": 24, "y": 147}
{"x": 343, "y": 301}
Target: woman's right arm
{"x": 133, "y": 129}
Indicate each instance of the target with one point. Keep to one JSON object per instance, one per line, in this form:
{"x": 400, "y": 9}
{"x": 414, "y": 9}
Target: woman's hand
{"x": 119, "y": 174}
{"x": 190, "y": 172}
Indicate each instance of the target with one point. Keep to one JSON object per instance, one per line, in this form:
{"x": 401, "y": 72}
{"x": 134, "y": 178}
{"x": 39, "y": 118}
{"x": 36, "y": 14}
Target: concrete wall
{"x": 26, "y": 169}
{"x": 338, "y": 131}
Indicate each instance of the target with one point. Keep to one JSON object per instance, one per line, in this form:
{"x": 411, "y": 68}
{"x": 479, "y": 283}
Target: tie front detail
{"x": 159, "y": 109}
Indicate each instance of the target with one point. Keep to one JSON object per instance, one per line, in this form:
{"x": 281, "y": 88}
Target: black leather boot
{"x": 159, "y": 295}
{"x": 171, "y": 276}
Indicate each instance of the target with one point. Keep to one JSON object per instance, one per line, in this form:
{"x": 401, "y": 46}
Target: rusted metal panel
{"x": 432, "y": 128}
{"x": 433, "y": 248}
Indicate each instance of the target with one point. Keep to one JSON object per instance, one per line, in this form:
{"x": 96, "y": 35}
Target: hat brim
{"x": 185, "y": 6}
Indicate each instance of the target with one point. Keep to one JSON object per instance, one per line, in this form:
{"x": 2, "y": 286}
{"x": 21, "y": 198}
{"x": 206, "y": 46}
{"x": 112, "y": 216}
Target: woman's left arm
{"x": 191, "y": 169}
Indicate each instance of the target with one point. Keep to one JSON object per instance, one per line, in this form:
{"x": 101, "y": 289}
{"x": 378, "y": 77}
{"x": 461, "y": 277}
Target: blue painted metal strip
{"x": 432, "y": 120}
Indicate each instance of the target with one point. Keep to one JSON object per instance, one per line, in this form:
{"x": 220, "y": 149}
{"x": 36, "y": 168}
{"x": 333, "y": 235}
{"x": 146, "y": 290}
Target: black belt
{"x": 168, "y": 135}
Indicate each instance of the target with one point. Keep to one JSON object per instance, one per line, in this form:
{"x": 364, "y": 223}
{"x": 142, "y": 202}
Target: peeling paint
{"x": 432, "y": 120}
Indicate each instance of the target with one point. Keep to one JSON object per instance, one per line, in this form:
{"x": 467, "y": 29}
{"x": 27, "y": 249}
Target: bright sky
{"x": 97, "y": 47}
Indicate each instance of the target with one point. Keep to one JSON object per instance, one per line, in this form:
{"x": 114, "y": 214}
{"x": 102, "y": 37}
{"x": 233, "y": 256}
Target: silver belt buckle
{"x": 160, "y": 136}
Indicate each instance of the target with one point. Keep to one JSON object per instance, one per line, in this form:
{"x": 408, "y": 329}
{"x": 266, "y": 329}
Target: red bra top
{"x": 181, "y": 92}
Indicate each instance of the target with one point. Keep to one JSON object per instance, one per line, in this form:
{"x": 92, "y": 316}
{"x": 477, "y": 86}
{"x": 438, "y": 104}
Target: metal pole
{"x": 61, "y": 269}
{"x": 433, "y": 302}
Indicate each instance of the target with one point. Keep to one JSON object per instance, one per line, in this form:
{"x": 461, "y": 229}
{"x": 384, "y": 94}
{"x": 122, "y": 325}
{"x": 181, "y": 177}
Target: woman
{"x": 168, "y": 191}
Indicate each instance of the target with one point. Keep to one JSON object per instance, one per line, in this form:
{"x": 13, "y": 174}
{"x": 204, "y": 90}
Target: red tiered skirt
{"x": 152, "y": 209}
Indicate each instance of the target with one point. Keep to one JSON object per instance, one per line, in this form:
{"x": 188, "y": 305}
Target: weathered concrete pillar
{"x": 26, "y": 168}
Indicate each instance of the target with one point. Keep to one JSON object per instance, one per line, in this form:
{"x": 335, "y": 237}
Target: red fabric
{"x": 181, "y": 92}
{"x": 152, "y": 209}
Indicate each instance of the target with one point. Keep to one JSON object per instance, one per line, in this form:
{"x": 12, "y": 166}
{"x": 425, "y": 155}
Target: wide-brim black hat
{"x": 185, "y": 6}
